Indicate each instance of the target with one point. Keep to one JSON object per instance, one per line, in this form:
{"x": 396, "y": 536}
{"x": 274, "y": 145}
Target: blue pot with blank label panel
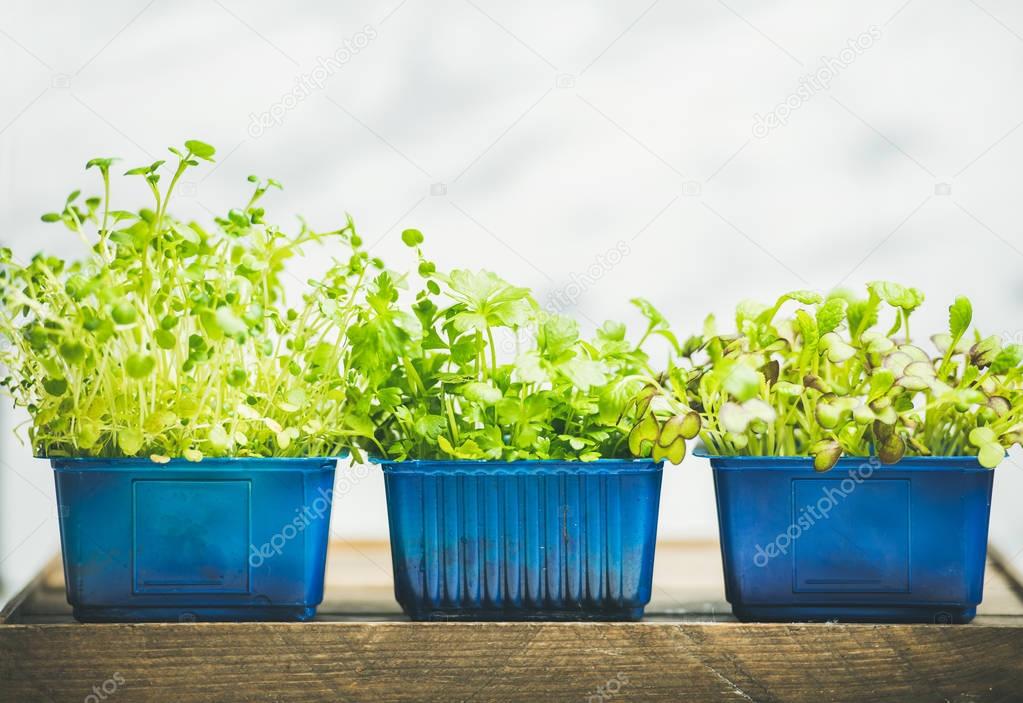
{"x": 219, "y": 539}
{"x": 863, "y": 542}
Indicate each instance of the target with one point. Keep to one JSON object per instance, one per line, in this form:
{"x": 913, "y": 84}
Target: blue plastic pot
{"x": 864, "y": 542}
{"x": 524, "y": 540}
{"x": 221, "y": 539}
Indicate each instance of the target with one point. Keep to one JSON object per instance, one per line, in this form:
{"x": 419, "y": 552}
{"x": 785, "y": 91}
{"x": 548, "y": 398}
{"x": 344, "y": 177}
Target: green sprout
{"x": 175, "y": 340}
{"x": 823, "y": 382}
{"x": 473, "y": 368}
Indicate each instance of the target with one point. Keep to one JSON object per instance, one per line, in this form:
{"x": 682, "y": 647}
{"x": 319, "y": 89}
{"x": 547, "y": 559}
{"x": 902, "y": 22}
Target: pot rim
{"x": 963, "y": 462}
{"x": 526, "y": 466}
{"x": 231, "y": 463}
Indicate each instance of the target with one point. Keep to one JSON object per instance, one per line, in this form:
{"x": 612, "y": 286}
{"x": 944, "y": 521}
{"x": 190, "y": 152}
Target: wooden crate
{"x": 360, "y": 648}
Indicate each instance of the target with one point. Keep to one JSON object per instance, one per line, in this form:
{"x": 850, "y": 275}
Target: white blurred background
{"x": 532, "y": 139}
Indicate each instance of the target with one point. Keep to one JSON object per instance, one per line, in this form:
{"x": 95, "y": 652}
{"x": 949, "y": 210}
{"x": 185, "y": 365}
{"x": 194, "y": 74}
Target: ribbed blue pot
{"x": 863, "y": 542}
{"x": 220, "y": 539}
{"x": 524, "y": 540}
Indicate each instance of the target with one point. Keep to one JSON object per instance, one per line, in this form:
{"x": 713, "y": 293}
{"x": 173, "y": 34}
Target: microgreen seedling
{"x": 823, "y": 382}
{"x": 175, "y": 340}
{"x": 475, "y": 369}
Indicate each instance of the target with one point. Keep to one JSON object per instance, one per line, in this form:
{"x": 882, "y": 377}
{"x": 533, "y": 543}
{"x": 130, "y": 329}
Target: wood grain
{"x": 361, "y": 649}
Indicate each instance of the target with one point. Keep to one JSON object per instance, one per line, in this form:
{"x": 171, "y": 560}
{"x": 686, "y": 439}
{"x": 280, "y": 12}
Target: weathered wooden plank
{"x": 513, "y": 662}
{"x": 361, "y": 648}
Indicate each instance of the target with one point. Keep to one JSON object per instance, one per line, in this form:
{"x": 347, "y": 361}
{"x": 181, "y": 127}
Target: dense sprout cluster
{"x": 173, "y": 340}
{"x": 443, "y": 391}
{"x": 825, "y": 381}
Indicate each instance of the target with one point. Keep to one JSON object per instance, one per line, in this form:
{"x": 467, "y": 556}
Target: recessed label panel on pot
{"x": 850, "y": 537}
{"x": 191, "y": 536}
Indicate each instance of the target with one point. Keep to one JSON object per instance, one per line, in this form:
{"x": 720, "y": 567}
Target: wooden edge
{"x": 10, "y": 609}
{"x": 513, "y": 662}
